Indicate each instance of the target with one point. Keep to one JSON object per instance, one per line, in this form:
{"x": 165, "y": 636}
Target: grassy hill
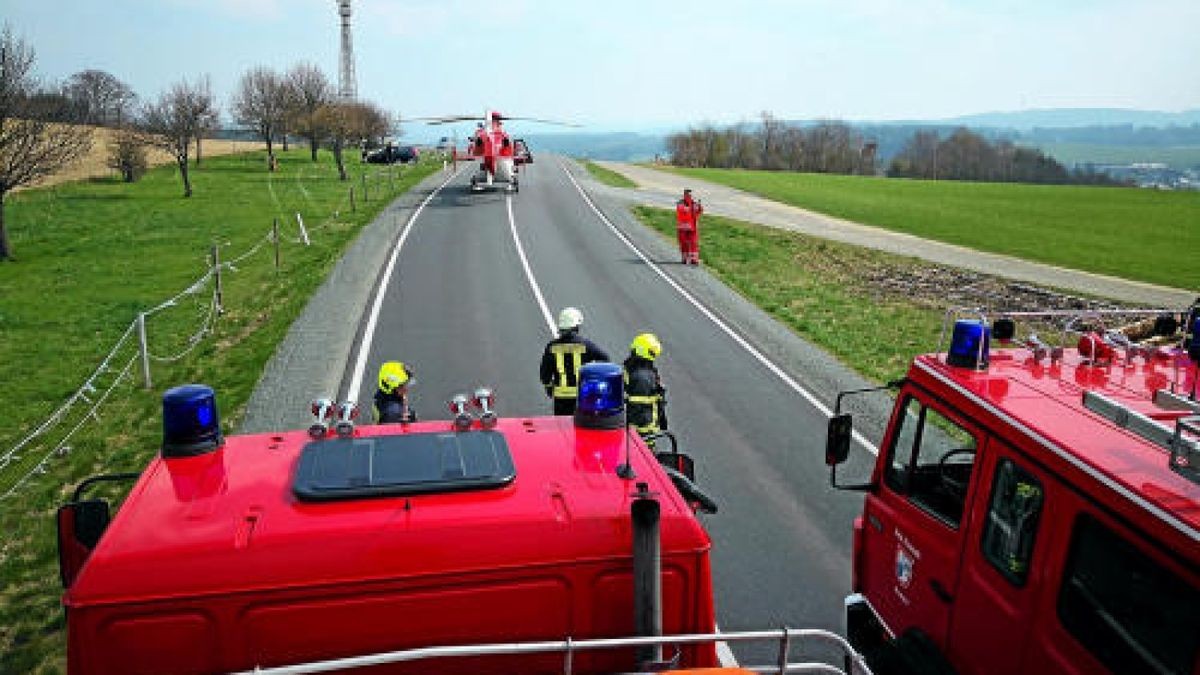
{"x": 89, "y": 257}
{"x": 1144, "y": 235}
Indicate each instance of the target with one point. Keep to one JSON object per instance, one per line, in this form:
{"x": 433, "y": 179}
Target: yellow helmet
{"x": 647, "y": 346}
{"x": 393, "y": 374}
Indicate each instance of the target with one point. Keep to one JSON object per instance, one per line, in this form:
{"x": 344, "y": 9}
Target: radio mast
{"x": 347, "y": 87}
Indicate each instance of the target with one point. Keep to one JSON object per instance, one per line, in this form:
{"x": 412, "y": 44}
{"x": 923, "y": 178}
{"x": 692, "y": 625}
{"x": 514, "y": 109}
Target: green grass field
{"x": 1144, "y": 235}
{"x": 89, "y": 257}
{"x": 1071, "y": 154}
{"x": 607, "y": 176}
{"x": 814, "y": 287}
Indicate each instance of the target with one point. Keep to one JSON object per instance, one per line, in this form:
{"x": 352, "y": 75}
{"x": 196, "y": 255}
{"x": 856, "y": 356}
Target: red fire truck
{"x": 442, "y": 546}
{"x": 1035, "y": 509}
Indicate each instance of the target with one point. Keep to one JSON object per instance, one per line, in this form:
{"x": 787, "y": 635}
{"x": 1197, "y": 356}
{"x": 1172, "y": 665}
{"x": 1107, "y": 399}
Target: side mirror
{"x": 80, "y": 526}
{"x": 837, "y": 441}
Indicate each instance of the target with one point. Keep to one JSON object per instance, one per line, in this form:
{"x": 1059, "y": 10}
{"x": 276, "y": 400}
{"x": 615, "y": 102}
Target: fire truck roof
{"x": 1056, "y": 403}
{"x": 231, "y": 520}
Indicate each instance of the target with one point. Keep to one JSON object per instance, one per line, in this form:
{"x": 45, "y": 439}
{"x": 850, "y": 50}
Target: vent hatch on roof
{"x": 404, "y": 464}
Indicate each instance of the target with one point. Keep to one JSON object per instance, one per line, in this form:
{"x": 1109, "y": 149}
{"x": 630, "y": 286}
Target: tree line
{"x": 832, "y": 146}
{"x": 43, "y": 128}
{"x": 775, "y": 145}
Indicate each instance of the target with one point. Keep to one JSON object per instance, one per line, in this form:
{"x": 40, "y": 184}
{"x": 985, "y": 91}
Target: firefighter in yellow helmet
{"x": 391, "y": 399}
{"x": 562, "y": 359}
{"x": 645, "y": 397}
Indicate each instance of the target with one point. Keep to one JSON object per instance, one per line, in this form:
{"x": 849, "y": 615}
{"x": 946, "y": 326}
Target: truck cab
{"x": 258, "y": 551}
{"x": 1034, "y": 508}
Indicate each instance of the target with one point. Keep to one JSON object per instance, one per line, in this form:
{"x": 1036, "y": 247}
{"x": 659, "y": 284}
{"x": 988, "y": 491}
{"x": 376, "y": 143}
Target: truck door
{"x": 912, "y": 539}
{"x": 994, "y": 611}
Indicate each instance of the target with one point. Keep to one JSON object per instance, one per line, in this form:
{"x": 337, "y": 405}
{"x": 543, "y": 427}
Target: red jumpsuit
{"x": 687, "y": 227}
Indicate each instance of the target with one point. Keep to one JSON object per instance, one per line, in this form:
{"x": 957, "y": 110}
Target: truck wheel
{"x": 913, "y": 653}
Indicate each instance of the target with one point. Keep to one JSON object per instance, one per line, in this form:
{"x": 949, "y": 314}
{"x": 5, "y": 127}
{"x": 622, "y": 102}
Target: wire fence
{"x": 55, "y": 436}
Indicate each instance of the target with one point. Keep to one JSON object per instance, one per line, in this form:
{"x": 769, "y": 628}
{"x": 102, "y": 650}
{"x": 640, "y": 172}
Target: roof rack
{"x": 1182, "y": 442}
{"x": 855, "y": 664}
{"x": 1153, "y": 336}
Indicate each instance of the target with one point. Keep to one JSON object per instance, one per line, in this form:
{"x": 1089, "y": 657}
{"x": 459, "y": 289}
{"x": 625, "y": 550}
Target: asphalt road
{"x": 460, "y": 306}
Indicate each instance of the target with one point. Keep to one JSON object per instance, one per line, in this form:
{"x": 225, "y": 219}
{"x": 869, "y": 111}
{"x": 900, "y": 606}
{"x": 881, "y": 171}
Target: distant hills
{"x": 1155, "y": 132}
{"x": 1077, "y": 117}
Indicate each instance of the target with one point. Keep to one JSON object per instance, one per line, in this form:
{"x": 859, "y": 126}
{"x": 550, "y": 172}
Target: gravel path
{"x": 661, "y": 188}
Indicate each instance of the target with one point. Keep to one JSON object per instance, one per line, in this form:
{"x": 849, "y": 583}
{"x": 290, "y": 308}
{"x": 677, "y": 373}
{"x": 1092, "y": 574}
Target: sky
{"x": 635, "y": 65}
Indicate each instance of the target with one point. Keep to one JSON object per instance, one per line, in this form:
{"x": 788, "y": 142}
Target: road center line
{"x": 751, "y": 349}
{"x": 537, "y": 292}
{"x": 364, "y": 347}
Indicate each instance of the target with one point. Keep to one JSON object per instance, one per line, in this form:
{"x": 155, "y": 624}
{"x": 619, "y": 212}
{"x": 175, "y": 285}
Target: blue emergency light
{"x": 191, "y": 425}
{"x": 601, "y": 400}
{"x": 969, "y": 344}
{"x": 1194, "y": 340}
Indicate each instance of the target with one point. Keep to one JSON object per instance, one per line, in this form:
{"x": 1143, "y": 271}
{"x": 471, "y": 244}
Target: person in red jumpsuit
{"x": 687, "y": 227}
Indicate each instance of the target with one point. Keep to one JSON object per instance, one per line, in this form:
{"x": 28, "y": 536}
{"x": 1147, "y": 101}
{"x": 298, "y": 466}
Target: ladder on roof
{"x": 1182, "y": 442}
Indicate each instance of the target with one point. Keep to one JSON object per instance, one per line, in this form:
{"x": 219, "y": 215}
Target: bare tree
{"x": 174, "y": 121}
{"x": 99, "y": 97}
{"x": 127, "y": 154}
{"x": 375, "y": 123}
{"x": 30, "y": 146}
{"x": 348, "y": 123}
{"x": 206, "y": 111}
{"x": 261, "y": 102}
{"x": 771, "y": 137}
{"x": 311, "y": 90}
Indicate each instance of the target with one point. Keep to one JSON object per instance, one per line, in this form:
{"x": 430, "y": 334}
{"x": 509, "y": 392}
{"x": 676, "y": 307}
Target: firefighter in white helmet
{"x": 562, "y": 359}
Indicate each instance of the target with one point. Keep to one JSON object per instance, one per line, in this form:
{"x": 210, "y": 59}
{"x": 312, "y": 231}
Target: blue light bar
{"x": 969, "y": 344}
{"x": 191, "y": 425}
{"x": 1194, "y": 343}
{"x": 601, "y": 400}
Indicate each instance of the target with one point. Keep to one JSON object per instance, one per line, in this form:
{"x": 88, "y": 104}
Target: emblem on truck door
{"x": 904, "y": 567}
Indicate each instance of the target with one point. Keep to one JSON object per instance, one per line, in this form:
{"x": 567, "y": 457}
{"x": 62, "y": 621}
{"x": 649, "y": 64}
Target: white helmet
{"x": 570, "y": 318}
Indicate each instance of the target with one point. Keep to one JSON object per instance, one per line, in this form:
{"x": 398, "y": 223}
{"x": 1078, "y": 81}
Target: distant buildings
{"x": 1150, "y": 175}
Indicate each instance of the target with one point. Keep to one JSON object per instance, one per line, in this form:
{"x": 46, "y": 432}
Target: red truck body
{"x": 215, "y": 564}
{"x": 1028, "y": 516}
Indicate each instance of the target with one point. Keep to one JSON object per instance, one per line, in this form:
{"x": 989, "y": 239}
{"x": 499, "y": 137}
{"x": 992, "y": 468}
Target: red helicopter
{"x": 499, "y": 154}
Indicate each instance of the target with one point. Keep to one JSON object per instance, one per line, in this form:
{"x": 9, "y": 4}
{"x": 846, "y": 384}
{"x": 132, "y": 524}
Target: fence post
{"x": 352, "y": 209}
{"x": 366, "y": 197}
{"x": 216, "y": 260}
{"x": 303, "y": 230}
{"x": 275, "y": 238}
{"x": 145, "y": 351}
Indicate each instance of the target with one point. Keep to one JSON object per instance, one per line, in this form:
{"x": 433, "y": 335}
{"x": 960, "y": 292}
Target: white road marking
{"x": 724, "y": 653}
{"x": 364, "y": 347}
{"x": 751, "y": 349}
{"x": 537, "y": 292}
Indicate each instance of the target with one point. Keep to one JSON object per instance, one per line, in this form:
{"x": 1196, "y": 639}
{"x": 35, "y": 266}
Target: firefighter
{"x": 645, "y": 397}
{"x": 391, "y": 399}
{"x": 687, "y": 227}
{"x": 563, "y": 357}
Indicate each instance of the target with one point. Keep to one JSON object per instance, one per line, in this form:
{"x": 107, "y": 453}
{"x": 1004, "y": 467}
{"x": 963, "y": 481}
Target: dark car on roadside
{"x": 390, "y": 154}
{"x": 521, "y": 151}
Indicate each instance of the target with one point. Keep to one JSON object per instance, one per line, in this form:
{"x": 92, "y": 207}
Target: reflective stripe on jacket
{"x": 568, "y": 357}
{"x": 644, "y": 396}
{"x": 561, "y": 361}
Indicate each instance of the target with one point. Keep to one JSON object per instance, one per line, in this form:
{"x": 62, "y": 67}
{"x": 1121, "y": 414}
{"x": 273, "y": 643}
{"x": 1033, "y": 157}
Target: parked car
{"x": 521, "y": 151}
{"x": 390, "y": 154}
